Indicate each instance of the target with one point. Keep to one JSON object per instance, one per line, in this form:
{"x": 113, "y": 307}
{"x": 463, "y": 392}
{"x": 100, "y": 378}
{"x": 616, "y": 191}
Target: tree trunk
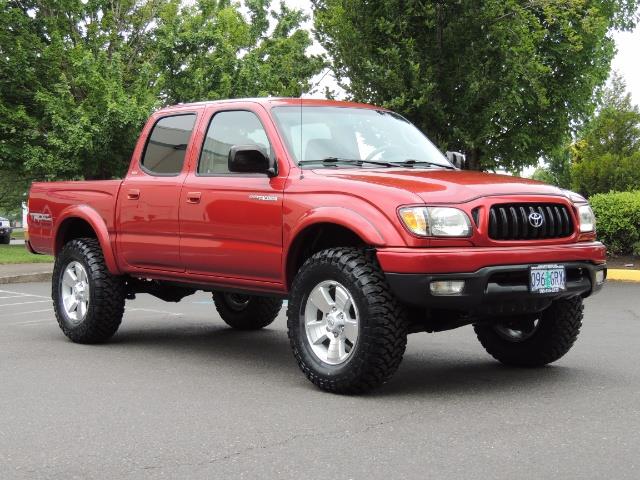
{"x": 473, "y": 159}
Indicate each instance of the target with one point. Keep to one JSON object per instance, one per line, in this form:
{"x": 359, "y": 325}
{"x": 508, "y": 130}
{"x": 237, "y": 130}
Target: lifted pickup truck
{"x": 346, "y": 210}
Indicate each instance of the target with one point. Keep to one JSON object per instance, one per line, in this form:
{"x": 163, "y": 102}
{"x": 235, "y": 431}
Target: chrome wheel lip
{"x": 331, "y": 322}
{"x": 516, "y": 334}
{"x": 75, "y": 292}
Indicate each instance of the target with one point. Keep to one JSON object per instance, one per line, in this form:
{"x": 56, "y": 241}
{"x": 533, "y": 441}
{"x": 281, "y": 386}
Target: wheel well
{"x": 315, "y": 238}
{"x": 71, "y": 229}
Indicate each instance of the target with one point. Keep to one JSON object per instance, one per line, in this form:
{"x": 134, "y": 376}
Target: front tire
{"x": 537, "y": 340}
{"x": 87, "y": 299}
{"x": 246, "y": 312}
{"x": 5, "y": 240}
{"x": 347, "y": 331}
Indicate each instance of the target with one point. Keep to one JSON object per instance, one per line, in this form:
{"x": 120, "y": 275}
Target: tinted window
{"x": 226, "y": 130}
{"x": 167, "y": 144}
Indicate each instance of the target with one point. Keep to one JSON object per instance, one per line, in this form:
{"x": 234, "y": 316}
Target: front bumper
{"x": 494, "y": 290}
{"x": 471, "y": 259}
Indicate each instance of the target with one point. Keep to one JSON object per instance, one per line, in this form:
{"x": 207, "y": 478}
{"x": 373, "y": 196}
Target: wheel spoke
{"x": 82, "y": 309}
{"x": 321, "y": 337}
{"x": 83, "y": 274}
{"x": 351, "y": 330}
{"x": 321, "y": 299}
{"x": 72, "y": 305}
{"x": 69, "y": 278}
{"x": 317, "y": 331}
{"x": 333, "y": 354}
{"x": 342, "y": 347}
{"x": 336, "y": 350}
{"x": 343, "y": 301}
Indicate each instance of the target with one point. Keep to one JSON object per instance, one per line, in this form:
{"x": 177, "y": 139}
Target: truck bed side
{"x": 51, "y": 203}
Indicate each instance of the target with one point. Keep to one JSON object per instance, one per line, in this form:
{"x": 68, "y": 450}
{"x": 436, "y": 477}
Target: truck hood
{"x": 445, "y": 186}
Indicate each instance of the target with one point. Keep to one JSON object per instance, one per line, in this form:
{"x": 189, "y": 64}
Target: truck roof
{"x": 269, "y": 102}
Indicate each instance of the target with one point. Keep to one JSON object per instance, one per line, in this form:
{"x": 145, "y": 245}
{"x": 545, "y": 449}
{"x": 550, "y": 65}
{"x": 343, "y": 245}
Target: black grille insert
{"x": 529, "y": 221}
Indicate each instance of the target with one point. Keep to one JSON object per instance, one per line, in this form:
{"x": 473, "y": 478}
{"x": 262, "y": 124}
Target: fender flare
{"x": 95, "y": 220}
{"x": 345, "y": 217}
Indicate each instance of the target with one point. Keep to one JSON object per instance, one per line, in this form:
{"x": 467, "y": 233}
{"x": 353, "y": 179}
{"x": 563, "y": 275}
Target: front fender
{"x": 344, "y": 217}
{"x": 97, "y": 223}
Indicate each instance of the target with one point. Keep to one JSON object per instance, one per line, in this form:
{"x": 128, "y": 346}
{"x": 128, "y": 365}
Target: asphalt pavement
{"x": 176, "y": 394}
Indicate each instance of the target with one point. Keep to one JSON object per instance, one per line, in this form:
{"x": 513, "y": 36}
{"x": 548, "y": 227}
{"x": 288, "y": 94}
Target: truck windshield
{"x": 354, "y": 135}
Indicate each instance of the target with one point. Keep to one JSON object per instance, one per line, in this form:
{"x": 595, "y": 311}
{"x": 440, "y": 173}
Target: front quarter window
{"x": 228, "y": 129}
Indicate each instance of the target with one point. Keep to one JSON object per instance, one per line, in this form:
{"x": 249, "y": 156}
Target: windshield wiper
{"x": 351, "y": 161}
{"x": 411, "y": 162}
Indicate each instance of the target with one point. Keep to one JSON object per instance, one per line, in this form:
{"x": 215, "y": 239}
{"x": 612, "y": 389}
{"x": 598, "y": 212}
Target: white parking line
{"x": 23, "y": 303}
{"x": 33, "y": 324}
{"x": 30, "y": 322}
{"x": 153, "y": 311}
{"x": 12, "y": 314}
{"x": 20, "y": 294}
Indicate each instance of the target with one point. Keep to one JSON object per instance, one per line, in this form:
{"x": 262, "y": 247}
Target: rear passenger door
{"x": 231, "y": 223}
{"x": 149, "y": 227}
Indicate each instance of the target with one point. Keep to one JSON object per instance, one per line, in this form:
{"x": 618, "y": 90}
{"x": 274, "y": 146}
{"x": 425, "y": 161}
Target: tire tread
{"x": 261, "y": 312}
{"x": 386, "y": 340}
{"x": 563, "y": 320}
{"x": 107, "y": 301}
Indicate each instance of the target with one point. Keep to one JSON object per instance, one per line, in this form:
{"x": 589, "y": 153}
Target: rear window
{"x": 167, "y": 144}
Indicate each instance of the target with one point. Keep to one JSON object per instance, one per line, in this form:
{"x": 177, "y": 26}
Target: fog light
{"x": 447, "y": 287}
{"x": 599, "y": 277}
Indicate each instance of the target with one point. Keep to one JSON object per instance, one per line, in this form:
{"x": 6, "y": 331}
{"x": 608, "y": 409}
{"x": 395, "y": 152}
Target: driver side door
{"x": 231, "y": 223}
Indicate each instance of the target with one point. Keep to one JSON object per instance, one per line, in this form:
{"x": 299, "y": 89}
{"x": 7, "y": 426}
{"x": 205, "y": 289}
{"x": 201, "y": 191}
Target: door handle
{"x": 193, "y": 197}
{"x": 133, "y": 194}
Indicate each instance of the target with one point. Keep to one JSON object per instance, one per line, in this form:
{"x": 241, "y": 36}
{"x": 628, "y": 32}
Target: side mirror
{"x": 250, "y": 159}
{"x": 457, "y": 159}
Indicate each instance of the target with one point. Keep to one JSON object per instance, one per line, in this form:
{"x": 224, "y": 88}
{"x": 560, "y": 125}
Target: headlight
{"x": 586, "y": 218}
{"x": 436, "y": 221}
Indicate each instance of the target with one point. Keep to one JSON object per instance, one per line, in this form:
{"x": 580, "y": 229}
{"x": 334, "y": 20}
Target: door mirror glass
{"x": 250, "y": 159}
{"x": 457, "y": 159}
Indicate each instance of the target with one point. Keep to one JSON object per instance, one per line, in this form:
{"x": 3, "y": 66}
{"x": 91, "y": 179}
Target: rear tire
{"x": 541, "y": 343}
{"x": 246, "y": 312}
{"x": 5, "y": 240}
{"x": 347, "y": 331}
{"x": 87, "y": 299}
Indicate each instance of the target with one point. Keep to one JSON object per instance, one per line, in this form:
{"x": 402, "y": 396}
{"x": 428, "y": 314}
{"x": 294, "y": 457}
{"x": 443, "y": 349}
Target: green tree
{"x": 79, "y": 78}
{"x": 606, "y": 155}
{"x": 557, "y": 167}
{"x": 501, "y": 80}
{"x": 76, "y": 82}
{"x": 210, "y": 51}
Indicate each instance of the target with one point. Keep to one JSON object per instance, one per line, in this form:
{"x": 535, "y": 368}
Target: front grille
{"x": 517, "y": 221}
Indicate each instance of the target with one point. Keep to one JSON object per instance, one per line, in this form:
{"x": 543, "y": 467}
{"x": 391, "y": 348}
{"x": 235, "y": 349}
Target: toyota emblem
{"x": 536, "y": 219}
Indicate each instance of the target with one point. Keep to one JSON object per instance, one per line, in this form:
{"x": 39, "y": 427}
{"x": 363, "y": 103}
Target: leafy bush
{"x": 618, "y": 215}
{"x": 605, "y": 173}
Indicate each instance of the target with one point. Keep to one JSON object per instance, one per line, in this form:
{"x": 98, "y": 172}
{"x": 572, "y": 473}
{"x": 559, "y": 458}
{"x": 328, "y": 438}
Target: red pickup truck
{"x": 344, "y": 209}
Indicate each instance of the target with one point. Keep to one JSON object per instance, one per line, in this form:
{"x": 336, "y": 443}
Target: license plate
{"x": 547, "y": 279}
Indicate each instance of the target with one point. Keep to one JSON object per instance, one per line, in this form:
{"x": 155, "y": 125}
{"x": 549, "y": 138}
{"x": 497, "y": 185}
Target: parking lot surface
{"x": 177, "y": 394}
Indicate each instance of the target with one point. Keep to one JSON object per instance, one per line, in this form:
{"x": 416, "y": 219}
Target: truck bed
{"x": 48, "y": 202}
